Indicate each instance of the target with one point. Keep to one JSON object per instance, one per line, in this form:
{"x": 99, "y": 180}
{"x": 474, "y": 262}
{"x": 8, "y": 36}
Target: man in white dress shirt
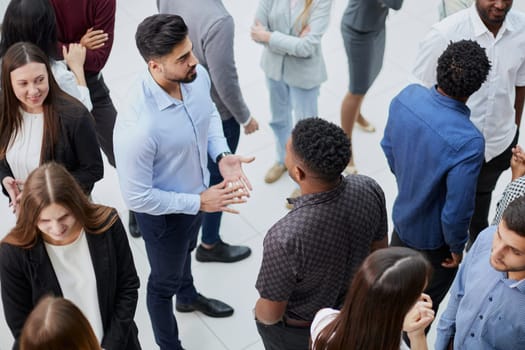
{"x": 497, "y": 106}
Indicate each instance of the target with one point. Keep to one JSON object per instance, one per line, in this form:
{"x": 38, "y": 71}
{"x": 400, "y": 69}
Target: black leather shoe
{"x": 222, "y": 252}
{"x": 133, "y": 226}
{"x": 209, "y": 307}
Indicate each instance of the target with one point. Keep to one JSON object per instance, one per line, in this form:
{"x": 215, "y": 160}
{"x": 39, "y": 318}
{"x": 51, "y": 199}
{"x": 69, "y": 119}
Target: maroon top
{"x": 75, "y": 17}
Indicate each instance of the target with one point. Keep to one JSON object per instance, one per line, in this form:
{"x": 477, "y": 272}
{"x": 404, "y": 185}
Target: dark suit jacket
{"x": 77, "y": 147}
{"x": 27, "y": 275}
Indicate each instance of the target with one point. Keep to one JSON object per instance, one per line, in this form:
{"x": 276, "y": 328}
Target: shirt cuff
{"x": 247, "y": 121}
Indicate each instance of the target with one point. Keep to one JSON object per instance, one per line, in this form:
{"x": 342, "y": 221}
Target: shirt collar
{"x": 519, "y": 285}
{"x": 161, "y": 97}
{"x": 480, "y": 28}
{"x": 449, "y": 101}
{"x": 315, "y": 198}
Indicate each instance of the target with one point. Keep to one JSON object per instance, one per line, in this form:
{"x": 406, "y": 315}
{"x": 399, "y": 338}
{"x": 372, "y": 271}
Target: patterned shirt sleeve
{"x": 277, "y": 276}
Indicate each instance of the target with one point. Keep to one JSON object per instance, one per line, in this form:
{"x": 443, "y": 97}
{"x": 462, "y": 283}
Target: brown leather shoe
{"x": 274, "y": 173}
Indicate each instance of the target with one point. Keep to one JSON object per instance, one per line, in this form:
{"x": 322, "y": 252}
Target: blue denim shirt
{"x": 486, "y": 310}
{"x": 435, "y": 153}
{"x": 162, "y": 145}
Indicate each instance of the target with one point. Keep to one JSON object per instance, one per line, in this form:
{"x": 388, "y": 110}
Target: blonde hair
{"x": 304, "y": 16}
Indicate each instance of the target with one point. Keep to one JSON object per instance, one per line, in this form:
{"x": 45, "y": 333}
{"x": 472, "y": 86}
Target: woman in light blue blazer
{"x": 291, "y": 32}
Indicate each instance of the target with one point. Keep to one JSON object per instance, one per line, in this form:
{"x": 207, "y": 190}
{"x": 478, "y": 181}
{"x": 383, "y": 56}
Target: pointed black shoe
{"x": 222, "y": 252}
{"x": 208, "y": 306}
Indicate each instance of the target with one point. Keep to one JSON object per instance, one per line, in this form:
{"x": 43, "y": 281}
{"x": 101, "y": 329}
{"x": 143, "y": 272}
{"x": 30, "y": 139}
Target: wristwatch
{"x": 220, "y": 156}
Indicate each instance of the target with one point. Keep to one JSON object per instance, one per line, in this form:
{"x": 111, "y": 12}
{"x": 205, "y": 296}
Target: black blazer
{"x": 27, "y": 275}
{"x": 77, "y": 147}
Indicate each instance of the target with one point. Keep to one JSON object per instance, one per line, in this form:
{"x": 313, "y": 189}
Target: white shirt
{"x": 492, "y": 106}
{"x": 67, "y": 81}
{"x": 324, "y": 316}
{"x": 23, "y": 153}
{"x": 76, "y": 276}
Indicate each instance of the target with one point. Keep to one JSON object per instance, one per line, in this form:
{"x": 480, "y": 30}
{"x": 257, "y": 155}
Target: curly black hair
{"x": 462, "y": 68}
{"x": 322, "y": 146}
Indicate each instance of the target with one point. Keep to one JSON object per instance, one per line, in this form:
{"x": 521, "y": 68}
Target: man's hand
{"x": 452, "y": 262}
{"x": 251, "y": 127}
{"x": 220, "y": 196}
{"x": 14, "y": 190}
{"x": 230, "y": 168}
{"x": 259, "y": 33}
{"x": 94, "y": 39}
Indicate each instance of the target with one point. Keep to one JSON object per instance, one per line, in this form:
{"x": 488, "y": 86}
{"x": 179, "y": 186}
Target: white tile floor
{"x": 235, "y": 283}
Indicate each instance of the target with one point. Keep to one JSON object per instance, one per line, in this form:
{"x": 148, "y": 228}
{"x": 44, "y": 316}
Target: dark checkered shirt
{"x": 311, "y": 253}
{"x": 513, "y": 190}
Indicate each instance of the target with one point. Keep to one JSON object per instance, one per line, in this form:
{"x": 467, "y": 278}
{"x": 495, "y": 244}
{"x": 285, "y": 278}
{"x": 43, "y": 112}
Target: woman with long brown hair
{"x": 64, "y": 245}
{"x": 385, "y": 297}
{"x": 40, "y": 123}
{"x": 57, "y": 324}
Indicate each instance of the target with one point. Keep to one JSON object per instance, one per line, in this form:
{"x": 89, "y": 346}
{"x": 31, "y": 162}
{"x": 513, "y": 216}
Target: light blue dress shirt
{"x": 162, "y": 143}
{"x": 486, "y": 309}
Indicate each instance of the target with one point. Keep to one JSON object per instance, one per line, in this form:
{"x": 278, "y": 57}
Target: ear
{"x": 299, "y": 173}
{"x": 154, "y": 66}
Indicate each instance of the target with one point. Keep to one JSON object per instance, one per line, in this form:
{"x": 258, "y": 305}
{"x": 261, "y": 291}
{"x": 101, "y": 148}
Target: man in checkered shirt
{"x": 310, "y": 255}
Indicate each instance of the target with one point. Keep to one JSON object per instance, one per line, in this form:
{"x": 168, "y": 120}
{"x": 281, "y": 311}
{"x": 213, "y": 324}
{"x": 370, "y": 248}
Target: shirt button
{"x": 472, "y": 335}
{"x": 480, "y": 317}
{"x": 490, "y": 298}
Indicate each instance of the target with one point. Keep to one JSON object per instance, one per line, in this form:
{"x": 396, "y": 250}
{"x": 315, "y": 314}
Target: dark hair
{"x": 32, "y": 21}
{"x": 57, "y": 324}
{"x": 514, "y": 216}
{"x": 462, "y": 68}
{"x": 322, "y": 146}
{"x": 50, "y": 184}
{"x": 386, "y": 286}
{"x": 157, "y": 35}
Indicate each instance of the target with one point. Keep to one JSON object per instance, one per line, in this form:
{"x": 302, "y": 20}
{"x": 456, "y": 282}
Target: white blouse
{"x": 23, "y": 153}
{"x": 75, "y": 273}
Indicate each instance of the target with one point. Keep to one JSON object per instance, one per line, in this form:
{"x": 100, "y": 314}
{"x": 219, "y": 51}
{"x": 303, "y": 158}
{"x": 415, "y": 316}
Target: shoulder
{"x": 362, "y": 183}
{"x": 11, "y": 255}
{"x": 483, "y": 242}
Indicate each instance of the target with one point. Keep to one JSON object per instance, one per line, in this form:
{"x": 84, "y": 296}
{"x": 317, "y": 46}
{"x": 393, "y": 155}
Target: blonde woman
{"x": 291, "y": 32}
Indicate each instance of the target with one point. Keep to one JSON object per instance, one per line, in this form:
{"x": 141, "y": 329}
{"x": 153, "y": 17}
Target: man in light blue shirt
{"x": 487, "y": 300}
{"x": 162, "y": 142}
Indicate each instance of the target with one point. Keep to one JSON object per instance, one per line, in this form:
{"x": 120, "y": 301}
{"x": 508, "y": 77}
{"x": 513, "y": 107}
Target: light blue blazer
{"x": 297, "y": 61}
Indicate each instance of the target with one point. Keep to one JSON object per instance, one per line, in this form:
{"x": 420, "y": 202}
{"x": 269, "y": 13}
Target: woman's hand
{"x": 14, "y": 190}
{"x": 75, "y": 56}
{"x": 259, "y": 33}
{"x": 420, "y": 316}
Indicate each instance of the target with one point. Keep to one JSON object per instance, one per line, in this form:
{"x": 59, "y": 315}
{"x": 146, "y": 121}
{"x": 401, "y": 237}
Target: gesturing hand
{"x": 220, "y": 196}
{"x": 94, "y": 39}
{"x": 230, "y": 168}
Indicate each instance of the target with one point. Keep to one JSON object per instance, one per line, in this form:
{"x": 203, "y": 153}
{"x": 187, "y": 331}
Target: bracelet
{"x": 221, "y": 155}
